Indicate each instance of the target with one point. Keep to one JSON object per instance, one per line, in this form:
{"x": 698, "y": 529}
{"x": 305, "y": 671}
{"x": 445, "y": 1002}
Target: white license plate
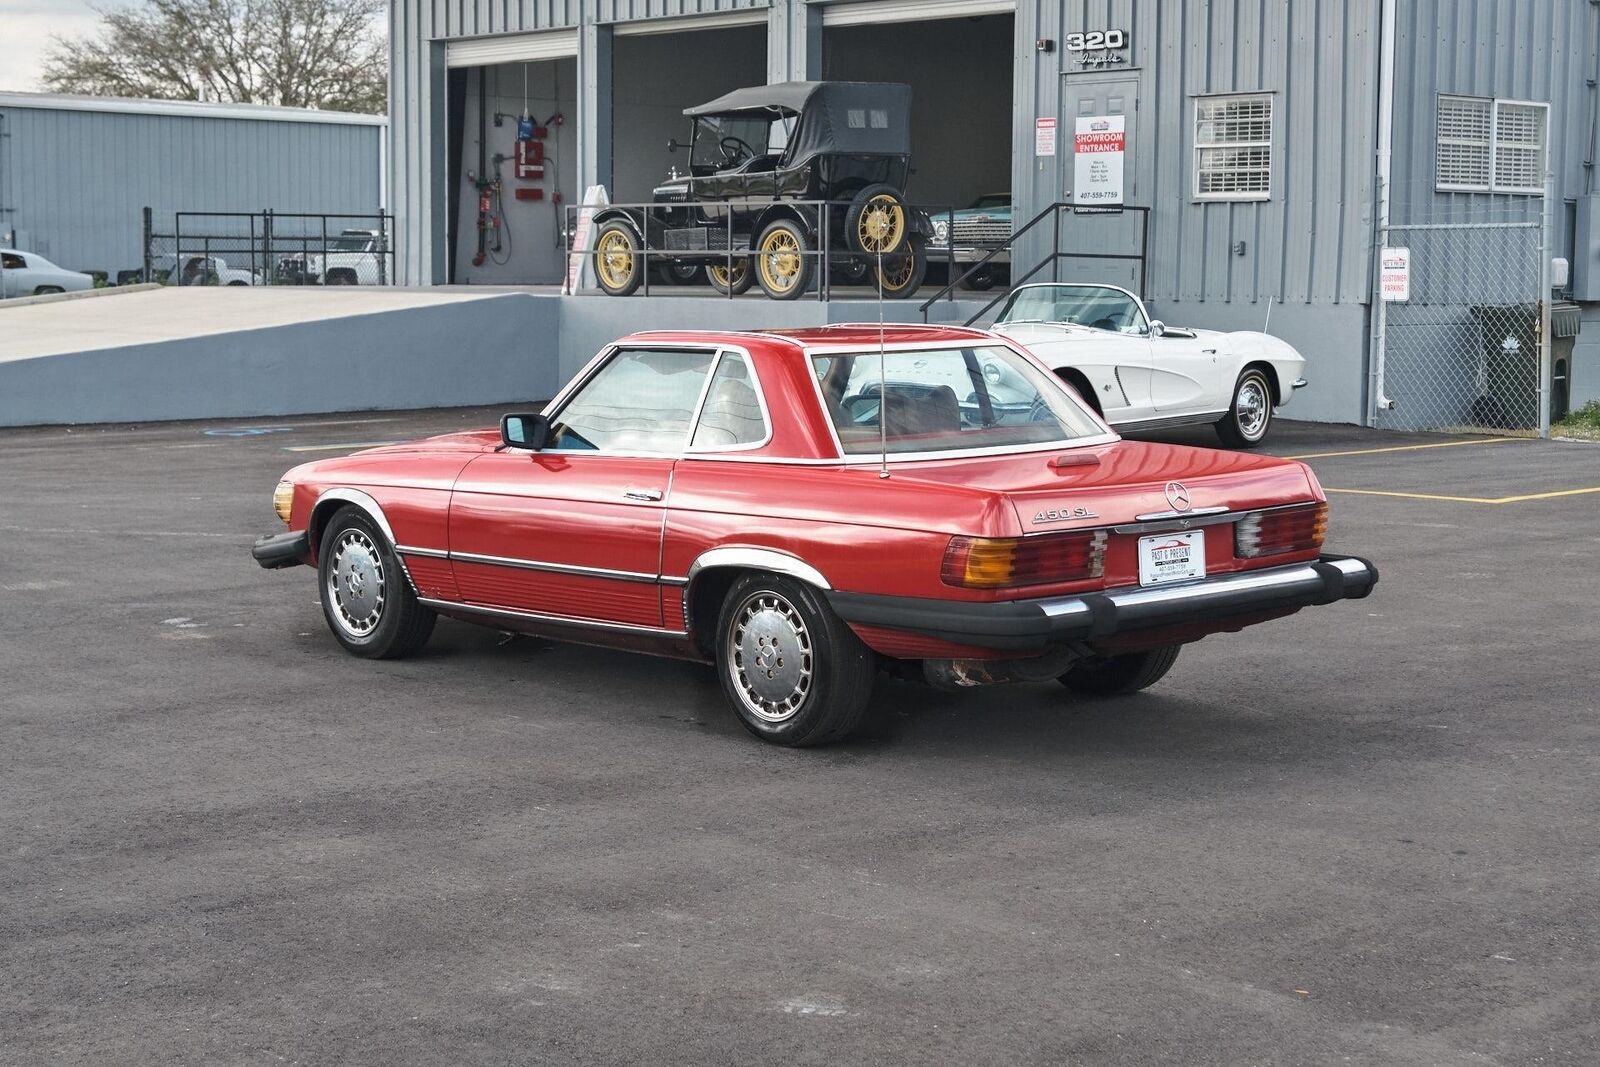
{"x": 1174, "y": 557}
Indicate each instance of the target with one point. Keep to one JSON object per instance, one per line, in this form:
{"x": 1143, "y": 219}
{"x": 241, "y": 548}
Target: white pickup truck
{"x": 210, "y": 270}
{"x": 354, "y": 257}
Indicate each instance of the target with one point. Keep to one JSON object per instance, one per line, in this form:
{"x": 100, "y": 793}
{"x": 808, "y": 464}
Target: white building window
{"x": 1233, "y": 147}
{"x": 1490, "y": 146}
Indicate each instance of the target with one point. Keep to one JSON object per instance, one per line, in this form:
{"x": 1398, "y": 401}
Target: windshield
{"x": 992, "y": 202}
{"x": 1096, "y": 306}
{"x": 350, "y": 242}
{"x": 941, "y": 400}
{"x": 725, "y": 141}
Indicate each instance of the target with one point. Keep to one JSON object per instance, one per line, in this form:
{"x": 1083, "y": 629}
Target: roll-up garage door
{"x": 881, "y": 11}
{"x": 512, "y": 48}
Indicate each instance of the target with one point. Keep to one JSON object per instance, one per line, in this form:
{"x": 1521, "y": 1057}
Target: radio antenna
{"x": 883, "y": 383}
{"x": 1264, "y": 325}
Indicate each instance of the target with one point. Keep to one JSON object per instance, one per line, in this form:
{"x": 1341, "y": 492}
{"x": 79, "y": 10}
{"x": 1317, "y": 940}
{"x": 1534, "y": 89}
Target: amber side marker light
{"x": 1273, "y": 533}
{"x": 282, "y": 500}
{"x": 1001, "y": 562}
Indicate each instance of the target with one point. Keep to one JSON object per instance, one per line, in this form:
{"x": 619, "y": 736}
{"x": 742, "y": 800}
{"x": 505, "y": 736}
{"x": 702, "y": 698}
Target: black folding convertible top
{"x": 853, "y": 118}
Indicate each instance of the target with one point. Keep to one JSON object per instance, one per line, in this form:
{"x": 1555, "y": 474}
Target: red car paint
{"x": 558, "y": 544}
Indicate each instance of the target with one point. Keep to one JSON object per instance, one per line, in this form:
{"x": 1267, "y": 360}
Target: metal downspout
{"x": 1380, "y": 234}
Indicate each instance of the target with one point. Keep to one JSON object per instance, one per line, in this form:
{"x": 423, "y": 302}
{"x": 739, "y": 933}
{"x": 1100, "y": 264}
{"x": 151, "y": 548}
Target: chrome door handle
{"x": 643, "y": 494}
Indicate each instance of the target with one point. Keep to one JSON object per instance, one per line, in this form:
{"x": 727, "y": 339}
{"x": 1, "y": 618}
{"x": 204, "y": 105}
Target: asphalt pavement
{"x": 1365, "y": 834}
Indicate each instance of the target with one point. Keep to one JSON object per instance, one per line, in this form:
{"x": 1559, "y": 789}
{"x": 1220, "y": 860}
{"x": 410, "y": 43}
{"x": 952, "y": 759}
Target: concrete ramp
{"x": 200, "y": 353}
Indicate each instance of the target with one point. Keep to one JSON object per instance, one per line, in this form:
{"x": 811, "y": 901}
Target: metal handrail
{"x": 1053, "y": 213}
{"x": 822, "y": 222}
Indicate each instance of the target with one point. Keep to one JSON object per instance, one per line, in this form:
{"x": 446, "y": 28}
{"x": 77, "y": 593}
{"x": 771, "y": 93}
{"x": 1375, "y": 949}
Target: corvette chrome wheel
{"x": 1253, "y": 406}
{"x": 769, "y": 657}
{"x": 1250, "y": 416}
{"x": 356, "y": 583}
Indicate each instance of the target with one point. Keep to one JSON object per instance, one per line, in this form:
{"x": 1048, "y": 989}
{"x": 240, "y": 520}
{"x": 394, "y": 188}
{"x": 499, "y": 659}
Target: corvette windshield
{"x": 941, "y": 400}
{"x": 1096, "y": 306}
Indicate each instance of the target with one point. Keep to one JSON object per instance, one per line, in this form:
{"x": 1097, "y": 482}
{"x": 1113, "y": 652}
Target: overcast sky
{"x": 25, "y": 29}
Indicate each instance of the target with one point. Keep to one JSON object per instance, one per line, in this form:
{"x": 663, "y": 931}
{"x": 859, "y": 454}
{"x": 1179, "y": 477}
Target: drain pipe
{"x": 1386, "y": 49}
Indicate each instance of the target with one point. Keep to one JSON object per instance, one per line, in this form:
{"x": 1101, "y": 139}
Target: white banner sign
{"x": 1044, "y": 137}
{"x": 593, "y": 200}
{"x": 1394, "y": 275}
{"x": 1097, "y": 153}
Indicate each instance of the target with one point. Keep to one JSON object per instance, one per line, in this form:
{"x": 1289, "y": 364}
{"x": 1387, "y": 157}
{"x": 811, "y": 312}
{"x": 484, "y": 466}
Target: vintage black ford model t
{"x": 777, "y": 173}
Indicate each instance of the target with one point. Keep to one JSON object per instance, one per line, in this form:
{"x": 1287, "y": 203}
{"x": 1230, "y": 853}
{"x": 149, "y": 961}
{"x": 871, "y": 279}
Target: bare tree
{"x": 328, "y": 54}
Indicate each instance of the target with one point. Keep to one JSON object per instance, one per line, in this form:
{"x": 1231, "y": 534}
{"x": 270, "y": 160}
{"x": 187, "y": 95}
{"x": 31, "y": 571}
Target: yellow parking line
{"x": 1408, "y": 448}
{"x": 1470, "y": 499}
{"x": 348, "y": 446}
{"x": 1415, "y": 496}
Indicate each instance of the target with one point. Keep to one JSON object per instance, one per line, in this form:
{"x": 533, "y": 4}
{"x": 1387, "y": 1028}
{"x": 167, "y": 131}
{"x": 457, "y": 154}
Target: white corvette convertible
{"x": 1141, "y": 374}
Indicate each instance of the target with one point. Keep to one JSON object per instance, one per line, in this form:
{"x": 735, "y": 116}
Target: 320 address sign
{"x": 1095, "y": 40}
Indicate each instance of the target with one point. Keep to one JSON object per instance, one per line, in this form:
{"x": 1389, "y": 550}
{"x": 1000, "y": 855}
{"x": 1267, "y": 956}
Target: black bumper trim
{"x": 282, "y": 550}
{"x": 1018, "y": 625}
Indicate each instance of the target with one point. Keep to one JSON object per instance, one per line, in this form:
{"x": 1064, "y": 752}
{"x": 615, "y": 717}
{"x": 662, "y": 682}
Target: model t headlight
{"x": 283, "y": 500}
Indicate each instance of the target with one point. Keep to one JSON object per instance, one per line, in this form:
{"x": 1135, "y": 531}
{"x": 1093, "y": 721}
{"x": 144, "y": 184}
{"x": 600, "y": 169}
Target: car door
{"x": 13, "y": 274}
{"x": 574, "y": 530}
{"x": 1185, "y": 375}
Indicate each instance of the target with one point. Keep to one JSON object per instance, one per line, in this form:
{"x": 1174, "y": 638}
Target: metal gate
{"x": 1462, "y": 350}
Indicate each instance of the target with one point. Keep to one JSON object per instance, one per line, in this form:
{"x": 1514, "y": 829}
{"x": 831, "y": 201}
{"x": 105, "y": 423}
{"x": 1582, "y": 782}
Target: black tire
{"x": 902, "y": 274}
{"x": 743, "y": 277}
{"x": 824, "y": 705}
{"x": 340, "y": 277}
{"x": 877, "y": 220}
{"x": 981, "y": 281}
{"x": 851, "y": 270}
{"x": 1110, "y": 676}
{"x": 369, "y": 574}
{"x": 618, "y": 264}
{"x": 1250, "y": 415}
{"x": 783, "y": 261}
{"x": 47, "y": 290}
{"x": 679, "y": 272}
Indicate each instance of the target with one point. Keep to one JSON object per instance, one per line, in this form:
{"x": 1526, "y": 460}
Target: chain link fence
{"x": 1461, "y": 351}
{"x": 267, "y": 248}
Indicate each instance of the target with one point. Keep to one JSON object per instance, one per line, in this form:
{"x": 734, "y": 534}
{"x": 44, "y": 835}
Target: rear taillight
{"x": 1272, "y": 533}
{"x": 998, "y": 562}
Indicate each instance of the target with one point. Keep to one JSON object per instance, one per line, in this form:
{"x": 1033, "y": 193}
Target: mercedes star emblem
{"x": 1178, "y": 496}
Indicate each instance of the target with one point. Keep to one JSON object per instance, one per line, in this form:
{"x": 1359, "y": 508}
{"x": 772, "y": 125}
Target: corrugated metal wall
{"x": 1309, "y": 242}
{"x": 1540, "y": 51}
{"x": 76, "y": 181}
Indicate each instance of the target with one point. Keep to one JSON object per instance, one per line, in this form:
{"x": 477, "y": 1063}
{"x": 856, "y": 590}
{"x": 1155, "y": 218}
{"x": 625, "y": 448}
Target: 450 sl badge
{"x": 1063, "y": 514}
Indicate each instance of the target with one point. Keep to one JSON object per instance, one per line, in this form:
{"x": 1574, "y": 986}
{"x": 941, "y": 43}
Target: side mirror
{"x": 1157, "y": 327}
{"x": 524, "y": 431}
{"x": 673, "y": 145}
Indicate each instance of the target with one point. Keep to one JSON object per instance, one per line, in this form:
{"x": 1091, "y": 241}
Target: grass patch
{"x": 1583, "y": 424}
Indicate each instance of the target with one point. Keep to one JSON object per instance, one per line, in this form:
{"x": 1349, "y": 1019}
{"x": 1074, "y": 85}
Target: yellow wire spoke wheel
{"x": 780, "y": 260}
{"x": 613, "y": 260}
{"x": 881, "y": 225}
{"x": 737, "y": 280}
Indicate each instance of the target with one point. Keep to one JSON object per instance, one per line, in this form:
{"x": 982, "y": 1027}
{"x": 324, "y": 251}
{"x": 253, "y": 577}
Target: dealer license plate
{"x": 1174, "y": 557}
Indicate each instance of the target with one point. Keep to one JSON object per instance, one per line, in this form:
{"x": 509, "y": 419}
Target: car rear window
{"x": 946, "y": 399}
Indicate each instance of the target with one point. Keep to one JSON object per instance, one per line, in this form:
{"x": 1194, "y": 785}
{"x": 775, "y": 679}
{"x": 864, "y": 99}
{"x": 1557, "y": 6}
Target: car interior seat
{"x": 916, "y": 410}
{"x": 732, "y": 413}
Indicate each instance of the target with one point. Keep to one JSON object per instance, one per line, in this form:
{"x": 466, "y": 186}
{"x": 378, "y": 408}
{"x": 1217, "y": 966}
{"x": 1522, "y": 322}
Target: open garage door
{"x": 655, "y": 75}
{"x": 960, "y": 73}
{"x": 506, "y": 190}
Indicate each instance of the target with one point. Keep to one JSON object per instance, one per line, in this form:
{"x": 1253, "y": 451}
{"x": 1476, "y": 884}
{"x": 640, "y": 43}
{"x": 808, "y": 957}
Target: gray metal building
{"x": 1277, "y": 143}
{"x": 76, "y": 172}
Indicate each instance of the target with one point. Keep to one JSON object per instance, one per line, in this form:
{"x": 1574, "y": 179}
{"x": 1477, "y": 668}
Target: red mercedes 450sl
{"x": 805, "y": 508}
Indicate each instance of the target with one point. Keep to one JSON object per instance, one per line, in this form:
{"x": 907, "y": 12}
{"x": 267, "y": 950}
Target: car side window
{"x": 640, "y": 400}
{"x": 11, "y": 261}
{"x": 731, "y": 416}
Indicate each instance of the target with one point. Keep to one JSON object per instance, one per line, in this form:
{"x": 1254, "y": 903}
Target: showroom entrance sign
{"x": 1098, "y": 148}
